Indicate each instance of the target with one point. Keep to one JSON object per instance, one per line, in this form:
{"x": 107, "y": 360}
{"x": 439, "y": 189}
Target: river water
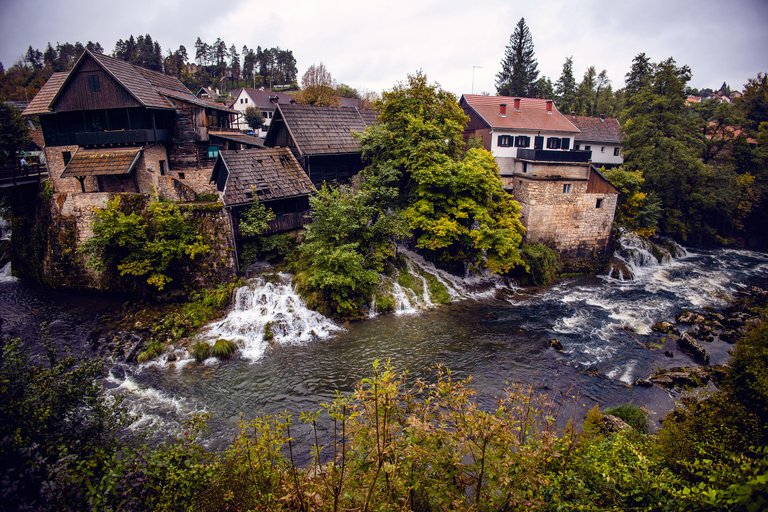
{"x": 499, "y": 337}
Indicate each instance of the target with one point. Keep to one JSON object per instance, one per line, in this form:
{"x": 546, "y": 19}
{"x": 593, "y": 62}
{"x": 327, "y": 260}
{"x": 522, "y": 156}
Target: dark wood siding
{"x": 77, "y": 93}
{"x": 599, "y": 185}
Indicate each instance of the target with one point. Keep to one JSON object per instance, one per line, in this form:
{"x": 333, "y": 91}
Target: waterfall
{"x": 403, "y": 304}
{"x": 269, "y": 313}
{"x": 635, "y": 254}
{"x": 5, "y": 229}
{"x": 5, "y": 274}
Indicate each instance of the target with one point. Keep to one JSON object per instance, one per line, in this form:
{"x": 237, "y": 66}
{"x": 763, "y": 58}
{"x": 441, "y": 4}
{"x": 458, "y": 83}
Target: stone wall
{"x": 571, "y": 221}
{"x": 55, "y": 157}
{"x": 71, "y": 222}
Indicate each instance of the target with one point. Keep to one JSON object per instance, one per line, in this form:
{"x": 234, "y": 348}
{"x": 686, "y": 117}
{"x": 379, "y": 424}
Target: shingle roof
{"x": 150, "y": 88}
{"x": 241, "y": 138}
{"x": 101, "y": 162}
{"x": 595, "y": 129}
{"x": 41, "y": 103}
{"x": 326, "y": 130}
{"x": 273, "y": 173}
{"x": 532, "y": 115}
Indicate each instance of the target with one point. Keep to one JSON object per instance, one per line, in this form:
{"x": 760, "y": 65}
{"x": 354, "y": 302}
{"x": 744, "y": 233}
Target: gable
{"x": 90, "y": 87}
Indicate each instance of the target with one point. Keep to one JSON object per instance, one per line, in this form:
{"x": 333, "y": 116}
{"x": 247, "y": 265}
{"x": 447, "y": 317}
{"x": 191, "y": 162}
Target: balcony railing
{"x": 547, "y": 155}
{"x": 121, "y": 137}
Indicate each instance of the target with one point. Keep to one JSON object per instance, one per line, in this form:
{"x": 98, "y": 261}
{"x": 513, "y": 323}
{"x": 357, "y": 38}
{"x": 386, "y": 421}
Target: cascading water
{"x": 5, "y": 274}
{"x": 267, "y": 312}
{"x": 635, "y": 254}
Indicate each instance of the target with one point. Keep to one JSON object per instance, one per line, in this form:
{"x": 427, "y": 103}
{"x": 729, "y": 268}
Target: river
{"x": 603, "y": 323}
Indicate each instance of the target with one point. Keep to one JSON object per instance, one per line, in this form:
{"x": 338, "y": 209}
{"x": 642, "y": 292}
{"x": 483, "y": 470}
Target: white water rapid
{"x": 269, "y": 313}
{"x": 5, "y": 274}
{"x": 636, "y": 255}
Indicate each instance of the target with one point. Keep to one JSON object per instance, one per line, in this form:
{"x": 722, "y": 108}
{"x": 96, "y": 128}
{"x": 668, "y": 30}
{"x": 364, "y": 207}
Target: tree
{"x": 234, "y": 63}
{"x": 543, "y": 88}
{"x": 249, "y": 64}
{"x": 585, "y": 94}
{"x": 13, "y": 134}
{"x": 640, "y": 74}
{"x": 254, "y": 117}
{"x": 317, "y": 87}
{"x": 519, "y": 69}
{"x": 565, "y": 88}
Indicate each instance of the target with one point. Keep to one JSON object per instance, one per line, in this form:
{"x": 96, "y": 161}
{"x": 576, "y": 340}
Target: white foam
{"x": 5, "y": 274}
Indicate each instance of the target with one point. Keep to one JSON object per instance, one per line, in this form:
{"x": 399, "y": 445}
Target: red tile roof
{"x": 532, "y": 115}
{"x": 596, "y": 129}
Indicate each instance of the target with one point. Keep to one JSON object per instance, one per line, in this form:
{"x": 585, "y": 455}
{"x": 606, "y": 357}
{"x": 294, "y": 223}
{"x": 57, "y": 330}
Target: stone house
{"x": 110, "y": 126}
{"x": 602, "y": 136}
{"x": 565, "y": 201}
{"x": 323, "y": 139}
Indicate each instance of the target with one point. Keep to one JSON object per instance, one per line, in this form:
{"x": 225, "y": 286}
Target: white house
{"x": 602, "y": 136}
{"x": 263, "y": 99}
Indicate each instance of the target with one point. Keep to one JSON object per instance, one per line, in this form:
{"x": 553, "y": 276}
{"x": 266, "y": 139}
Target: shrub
{"x": 542, "y": 263}
{"x": 632, "y": 414}
{"x": 223, "y": 348}
{"x": 154, "y": 349}
{"x": 201, "y": 351}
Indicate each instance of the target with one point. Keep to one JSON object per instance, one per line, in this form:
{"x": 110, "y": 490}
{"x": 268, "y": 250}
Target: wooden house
{"x": 322, "y": 139}
{"x": 565, "y": 200}
{"x": 270, "y": 176}
{"x": 104, "y": 102}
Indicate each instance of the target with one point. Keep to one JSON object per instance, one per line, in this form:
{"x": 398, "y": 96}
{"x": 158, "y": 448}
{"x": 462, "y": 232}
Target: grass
{"x": 632, "y": 414}
{"x": 223, "y": 348}
{"x": 201, "y": 351}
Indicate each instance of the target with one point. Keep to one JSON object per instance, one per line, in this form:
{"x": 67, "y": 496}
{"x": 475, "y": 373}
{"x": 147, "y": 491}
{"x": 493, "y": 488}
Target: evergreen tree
{"x": 585, "y": 94}
{"x": 565, "y": 88}
{"x": 519, "y": 69}
{"x": 640, "y": 73}
{"x": 543, "y": 88}
{"x": 249, "y": 65}
{"x": 234, "y": 63}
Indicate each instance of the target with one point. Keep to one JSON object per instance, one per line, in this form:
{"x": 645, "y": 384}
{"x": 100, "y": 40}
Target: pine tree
{"x": 565, "y": 88}
{"x": 519, "y": 69}
{"x": 640, "y": 75}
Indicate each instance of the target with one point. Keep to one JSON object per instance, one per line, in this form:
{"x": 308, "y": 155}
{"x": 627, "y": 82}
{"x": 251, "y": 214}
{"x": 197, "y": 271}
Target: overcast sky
{"x": 372, "y": 45}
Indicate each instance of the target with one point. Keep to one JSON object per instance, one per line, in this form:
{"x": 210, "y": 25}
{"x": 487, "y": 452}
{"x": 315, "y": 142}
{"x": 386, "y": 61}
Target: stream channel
{"x": 498, "y": 337}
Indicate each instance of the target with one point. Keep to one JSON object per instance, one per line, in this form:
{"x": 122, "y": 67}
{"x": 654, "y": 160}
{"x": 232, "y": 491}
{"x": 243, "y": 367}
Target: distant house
{"x": 565, "y": 201}
{"x": 322, "y": 139}
{"x": 263, "y": 99}
{"x": 207, "y": 93}
{"x": 602, "y": 136}
{"x": 111, "y": 126}
{"x": 270, "y": 176}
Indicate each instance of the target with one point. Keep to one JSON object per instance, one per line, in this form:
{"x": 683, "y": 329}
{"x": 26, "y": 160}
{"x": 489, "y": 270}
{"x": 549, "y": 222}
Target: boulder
{"x": 664, "y": 327}
{"x": 611, "y": 423}
{"x": 644, "y": 383}
{"x": 555, "y": 344}
{"x": 689, "y": 317}
{"x": 669, "y": 353}
{"x": 693, "y": 348}
{"x": 681, "y": 377}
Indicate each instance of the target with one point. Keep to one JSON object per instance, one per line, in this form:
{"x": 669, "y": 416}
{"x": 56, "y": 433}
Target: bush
{"x": 632, "y": 414}
{"x": 201, "y": 351}
{"x": 223, "y": 348}
{"x": 542, "y": 263}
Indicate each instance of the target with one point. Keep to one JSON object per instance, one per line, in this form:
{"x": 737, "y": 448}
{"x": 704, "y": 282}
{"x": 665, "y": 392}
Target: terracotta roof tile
{"x": 272, "y": 173}
{"x": 532, "y": 115}
{"x": 326, "y": 130}
{"x": 596, "y": 129}
{"x": 101, "y": 162}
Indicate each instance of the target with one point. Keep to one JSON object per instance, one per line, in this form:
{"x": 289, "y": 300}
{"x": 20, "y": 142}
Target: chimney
{"x": 549, "y": 106}
{"x": 517, "y": 104}
{"x": 503, "y": 109}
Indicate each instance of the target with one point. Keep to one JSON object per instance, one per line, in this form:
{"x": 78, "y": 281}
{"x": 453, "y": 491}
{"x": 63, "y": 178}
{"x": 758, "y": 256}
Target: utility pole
{"x": 473, "y": 77}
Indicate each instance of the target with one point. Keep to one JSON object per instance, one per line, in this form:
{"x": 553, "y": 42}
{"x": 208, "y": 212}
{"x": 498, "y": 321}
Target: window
{"x": 246, "y": 100}
{"x": 599, "y": 203}
{"x": 587, "y": 148}
{"x": 265, "y": 115}
{"x": 162, "y": 167}
{"x": 67, "y": 156}
{"x": 213, "y": 151}
{"x": 241, "y": 101}
{"x": 566, "y": 188}
{"x": 181, "y": 175}
{"x": 553, "y": 143}
{"x": 505, "y": 141}
{"x": 93, "y": 83}
{"x": 522, "y": 141}
{"x": 566, "y": 143}
{"x": 616, "y": 151}
{"x": 602, "y": 149}
{"x": 577, "y": 147}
